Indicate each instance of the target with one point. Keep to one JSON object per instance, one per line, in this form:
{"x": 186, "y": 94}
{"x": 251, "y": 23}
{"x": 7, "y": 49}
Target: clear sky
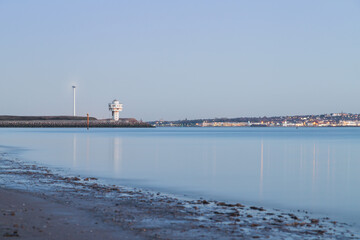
{"x": 180, "y": 59}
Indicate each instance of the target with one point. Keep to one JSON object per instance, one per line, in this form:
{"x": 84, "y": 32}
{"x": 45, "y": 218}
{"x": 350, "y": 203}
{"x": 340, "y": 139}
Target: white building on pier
{"x": 115, "y": 107}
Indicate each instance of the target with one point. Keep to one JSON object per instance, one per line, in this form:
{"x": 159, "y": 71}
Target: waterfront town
{"x": 323, "y": 120}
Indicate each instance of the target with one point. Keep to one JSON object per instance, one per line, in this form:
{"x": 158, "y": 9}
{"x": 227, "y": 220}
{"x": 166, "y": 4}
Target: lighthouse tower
{"x": 115, "y": 107}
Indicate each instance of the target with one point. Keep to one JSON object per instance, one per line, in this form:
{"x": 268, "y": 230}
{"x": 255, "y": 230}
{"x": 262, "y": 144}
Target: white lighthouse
{"x": 115, "y": 107}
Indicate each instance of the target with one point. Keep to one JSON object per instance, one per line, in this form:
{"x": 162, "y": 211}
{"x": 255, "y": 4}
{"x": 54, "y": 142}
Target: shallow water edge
{"x": 157, "y": 215}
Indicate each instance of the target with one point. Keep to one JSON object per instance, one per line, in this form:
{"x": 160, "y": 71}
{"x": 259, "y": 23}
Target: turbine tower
{"x": 74, "y": 92}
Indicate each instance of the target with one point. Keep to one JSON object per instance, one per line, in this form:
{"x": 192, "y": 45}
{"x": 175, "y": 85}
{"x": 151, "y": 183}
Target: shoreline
{"x": 140, "y": 214}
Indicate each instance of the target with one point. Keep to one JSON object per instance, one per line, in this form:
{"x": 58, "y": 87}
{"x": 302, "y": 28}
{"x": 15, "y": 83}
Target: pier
{"x": 67, "y": 122}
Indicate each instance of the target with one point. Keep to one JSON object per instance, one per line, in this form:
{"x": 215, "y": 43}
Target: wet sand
{"x": 44, "y": 204}
{"x": 26, "y": 216}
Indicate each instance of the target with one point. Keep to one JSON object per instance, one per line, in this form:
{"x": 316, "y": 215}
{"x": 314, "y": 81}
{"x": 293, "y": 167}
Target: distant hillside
{"x": 37, "y": 118}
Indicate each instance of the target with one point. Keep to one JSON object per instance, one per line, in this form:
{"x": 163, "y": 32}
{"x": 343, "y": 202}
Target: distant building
{"x": 115, "y": 107}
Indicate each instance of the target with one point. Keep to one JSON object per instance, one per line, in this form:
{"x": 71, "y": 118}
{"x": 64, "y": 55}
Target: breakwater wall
{"x": 73, "y": 124}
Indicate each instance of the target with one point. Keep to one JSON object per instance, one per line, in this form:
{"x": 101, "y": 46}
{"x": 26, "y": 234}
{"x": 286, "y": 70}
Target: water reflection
{"x": 74, "y": 151}
{"x": 213, "y": 165}
{"x": 117, "y": 155}
{"x": 301, "y": 158}
{"x": 261, "y": 168}
{"x": 328, "y": 164}
{"x": 314, "y": 167}
{"x": 87, "y": 152}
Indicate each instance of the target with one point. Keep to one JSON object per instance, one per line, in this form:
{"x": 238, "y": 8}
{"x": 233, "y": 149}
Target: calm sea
{"x": 316, "y": 169}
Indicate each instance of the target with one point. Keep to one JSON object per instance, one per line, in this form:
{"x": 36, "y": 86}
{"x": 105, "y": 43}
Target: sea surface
{"x": 315, "y": 169}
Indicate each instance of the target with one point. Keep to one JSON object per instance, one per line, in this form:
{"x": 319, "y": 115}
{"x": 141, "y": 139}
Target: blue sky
{"x": 180, "y": 59}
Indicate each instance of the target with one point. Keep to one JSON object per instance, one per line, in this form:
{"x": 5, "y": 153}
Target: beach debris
{"x": 257, "y": 208}
{"x": 314, "y": 221}
{"x": 11, "y": 234}
{"x": 205, "y": 202}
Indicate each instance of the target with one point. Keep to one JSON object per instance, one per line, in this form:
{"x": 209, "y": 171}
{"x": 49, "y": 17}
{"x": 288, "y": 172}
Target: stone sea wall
{"x": 73, "y": 124}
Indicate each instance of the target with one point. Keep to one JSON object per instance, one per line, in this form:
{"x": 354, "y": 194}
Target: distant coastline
{"x": 67, "y": 122}
{"x": 322, "y": 120}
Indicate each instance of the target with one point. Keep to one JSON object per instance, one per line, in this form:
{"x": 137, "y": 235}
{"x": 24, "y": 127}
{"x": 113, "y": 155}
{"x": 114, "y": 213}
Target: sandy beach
{"x": 26, "y": 216}
{"x": 37, "y": 203}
